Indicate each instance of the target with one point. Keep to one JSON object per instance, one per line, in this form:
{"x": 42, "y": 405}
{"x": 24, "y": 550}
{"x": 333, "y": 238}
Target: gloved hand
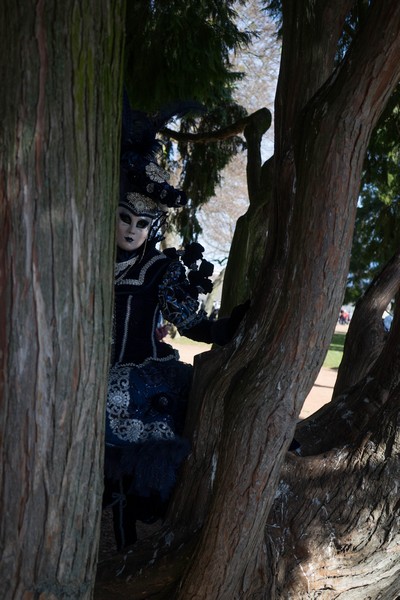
{"x": 223, "y": 330}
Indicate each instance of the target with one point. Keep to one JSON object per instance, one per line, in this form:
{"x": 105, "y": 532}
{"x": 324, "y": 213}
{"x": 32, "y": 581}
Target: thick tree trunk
{"x": 250, "y": 239}
{"x": 375, "y": 372}
{"x": 333, "y": 530}
{"x": 261, "y": 388}
{"x": 61, "y": 78}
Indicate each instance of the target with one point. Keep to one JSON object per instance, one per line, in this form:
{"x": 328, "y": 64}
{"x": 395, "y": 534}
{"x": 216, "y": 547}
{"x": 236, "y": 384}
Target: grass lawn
{"x": 335, "y": 352}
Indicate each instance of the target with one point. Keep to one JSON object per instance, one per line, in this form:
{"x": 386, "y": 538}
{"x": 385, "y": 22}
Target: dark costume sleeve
{"x": 180, "y": 306}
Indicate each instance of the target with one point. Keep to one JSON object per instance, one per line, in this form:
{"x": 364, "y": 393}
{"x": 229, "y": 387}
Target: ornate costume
{"x": 148, "y": 385}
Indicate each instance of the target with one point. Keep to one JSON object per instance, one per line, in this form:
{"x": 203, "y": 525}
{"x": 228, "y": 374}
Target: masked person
{"x": 148, "y": 385}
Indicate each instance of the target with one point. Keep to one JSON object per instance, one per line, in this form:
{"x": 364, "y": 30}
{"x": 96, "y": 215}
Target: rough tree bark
{"x": 247, "y": 251}
{"x": 247, "y": 397}
{"x": 333, "y": 529}
{"x": 365, "y": 374}
{"x": 366, "y": 336}
{"x": 61, "y": 78}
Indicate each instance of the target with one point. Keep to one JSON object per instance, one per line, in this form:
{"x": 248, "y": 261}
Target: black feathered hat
{"x": 144, "y": 187}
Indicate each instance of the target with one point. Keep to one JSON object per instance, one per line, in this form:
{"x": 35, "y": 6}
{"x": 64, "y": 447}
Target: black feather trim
{"x": 206, "y": 268}
{"x": 139, "y": 147}
{"x": 171, "y": 253}
{"x": 193, "y": 252}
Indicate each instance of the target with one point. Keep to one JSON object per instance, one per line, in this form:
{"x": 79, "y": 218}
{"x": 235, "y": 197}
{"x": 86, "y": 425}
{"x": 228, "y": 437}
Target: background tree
{"x": 189, "y": 47}
{"x": 324, "y": 529}
{"x": 61, "y": 71}
{"x": 376, "y": 235}
{"x": 259, "y": 61}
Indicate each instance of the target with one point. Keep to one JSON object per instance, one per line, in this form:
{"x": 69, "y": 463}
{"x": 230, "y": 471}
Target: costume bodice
{"x": 143, "y": 291}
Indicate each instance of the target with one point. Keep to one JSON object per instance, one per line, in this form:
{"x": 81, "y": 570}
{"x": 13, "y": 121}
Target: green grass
{"x": 335, "y": 352}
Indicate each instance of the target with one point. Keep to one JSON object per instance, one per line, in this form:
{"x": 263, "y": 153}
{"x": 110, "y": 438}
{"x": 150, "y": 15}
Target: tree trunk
{"x": 375, "y": 372}
{"x": 247, "y": 396}
{"x": 250, "y": 240}
{"x": 333, "y": 530}
{"x": 61, "y": 76}
{"x": 268, "y": 373}
{"x": 366, "y": 335}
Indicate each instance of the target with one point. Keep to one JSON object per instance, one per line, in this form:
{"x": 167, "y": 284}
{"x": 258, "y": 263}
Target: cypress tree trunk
{"x": 342, "y": 511}
{"x": 333, "y": 529}
{"x": 323, "y": 127}
{"x": 61, "y": 78}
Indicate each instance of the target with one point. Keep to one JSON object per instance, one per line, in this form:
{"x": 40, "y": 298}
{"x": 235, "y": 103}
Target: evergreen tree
{"x": 377, "y": 231}
{"x": 188, "y": 48}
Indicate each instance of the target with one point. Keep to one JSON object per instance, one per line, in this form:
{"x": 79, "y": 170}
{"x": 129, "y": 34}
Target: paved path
{"x": 320, "y": 394}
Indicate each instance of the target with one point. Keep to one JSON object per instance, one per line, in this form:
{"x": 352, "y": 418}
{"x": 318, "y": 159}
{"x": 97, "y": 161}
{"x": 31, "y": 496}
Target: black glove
{"x": 223, "y": 330}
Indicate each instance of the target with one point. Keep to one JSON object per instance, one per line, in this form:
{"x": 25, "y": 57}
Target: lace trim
{"x": 174, "y": 356}
{"x": 122, "y": 426}
{"x": 142, "y": 274}
{"x": 193, "y": 320}
{"x": 121, "y": 266}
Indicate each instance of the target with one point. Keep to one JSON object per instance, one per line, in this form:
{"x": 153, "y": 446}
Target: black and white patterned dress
{"x": 148, "y": 385}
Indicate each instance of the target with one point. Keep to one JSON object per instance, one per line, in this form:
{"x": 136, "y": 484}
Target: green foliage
{"x": 180, "y": 50}
{"x": 203, "y": 164}
{"x": 377, "y": 231}
{"x": 274, "y": 9}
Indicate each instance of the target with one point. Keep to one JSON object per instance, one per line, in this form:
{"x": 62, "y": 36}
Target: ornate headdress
{"x": 144, "y": 187}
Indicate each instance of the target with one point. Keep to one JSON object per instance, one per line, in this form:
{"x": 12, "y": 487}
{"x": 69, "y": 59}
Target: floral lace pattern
{"x": 122, "y": 425}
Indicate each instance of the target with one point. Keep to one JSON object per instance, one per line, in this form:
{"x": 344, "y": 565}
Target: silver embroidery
{"x": 156, "y": 173}
{"x": 122, "y": 425}
{"x": 126, "y": 326}
{"x": 142, "y": 205}
{"x": 143, "y": 271}
{"x": 121, "y": 266}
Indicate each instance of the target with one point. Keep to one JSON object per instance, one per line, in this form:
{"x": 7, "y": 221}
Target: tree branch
{"x": 218, "y": 135}
{"x": 366, "y": 337}
{"x": 254, "y": 130}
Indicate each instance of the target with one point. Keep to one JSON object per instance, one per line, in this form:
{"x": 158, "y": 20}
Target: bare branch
{"x": 214, "y": 136}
